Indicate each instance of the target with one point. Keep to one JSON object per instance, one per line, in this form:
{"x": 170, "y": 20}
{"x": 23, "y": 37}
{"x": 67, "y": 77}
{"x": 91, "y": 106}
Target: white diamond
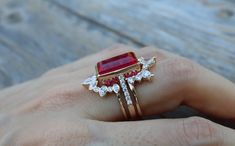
{"x": 104, "y": 88}
{"x": 96, "y": 89}
{"x": 116, "y": 88}
{"x": 141, "y": 60}
{"x": 146, "y": 74}
{"x": 110, "y": 89}
{"x": 145, "y": 66}
{"x": 126, "y": 94}
{"x": 123, "y": 85}
{"x": 103, "y": 91}
{"x": 152, "y": 61}
{"x": 129, "y": 102}
{"x": 92, "y": 85}
{"x": 128, "y": 97}
{"x": 138, "y": 77}
{"x": 131, "y": 80}
{"x": 89, "y": 80}
{"x": 121, "y": 77}
{"x": 147, "y": 63}
{"x": 124, "y": 89}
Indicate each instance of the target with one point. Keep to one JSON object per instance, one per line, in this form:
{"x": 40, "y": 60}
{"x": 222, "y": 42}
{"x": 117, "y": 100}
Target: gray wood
{"x": 201, "y": 30}
{"x": 37, "y": 35}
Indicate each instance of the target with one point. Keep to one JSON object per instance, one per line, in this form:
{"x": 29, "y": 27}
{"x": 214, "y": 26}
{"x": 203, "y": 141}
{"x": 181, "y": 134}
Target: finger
{"x": 212, "y": 94}
{"x": 192, "y": 131}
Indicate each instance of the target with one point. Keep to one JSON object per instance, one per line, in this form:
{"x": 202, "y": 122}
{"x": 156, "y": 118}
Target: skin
{"x": 56, "y": 109}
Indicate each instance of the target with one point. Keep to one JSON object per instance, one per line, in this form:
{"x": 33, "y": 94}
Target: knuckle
{"x": 181, "y": 69}
{"x": 197, "y": 130}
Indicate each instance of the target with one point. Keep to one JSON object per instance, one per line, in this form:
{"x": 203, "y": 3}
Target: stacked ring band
{"x": 119, "y": 74}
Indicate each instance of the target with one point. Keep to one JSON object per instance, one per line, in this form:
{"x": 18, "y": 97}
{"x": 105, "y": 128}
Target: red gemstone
{"x": 116, "y": 63}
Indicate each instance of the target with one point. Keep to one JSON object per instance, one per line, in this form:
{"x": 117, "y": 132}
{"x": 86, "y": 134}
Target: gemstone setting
{"x": 116, "y": 72}
{"x": 116, "y": 63}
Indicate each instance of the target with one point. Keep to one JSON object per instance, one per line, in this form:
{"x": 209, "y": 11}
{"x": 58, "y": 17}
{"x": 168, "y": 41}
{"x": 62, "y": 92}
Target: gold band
{"x": 129, "y": 101}
{"x": 120, "y": 99}
{"x": 136, "y": 101}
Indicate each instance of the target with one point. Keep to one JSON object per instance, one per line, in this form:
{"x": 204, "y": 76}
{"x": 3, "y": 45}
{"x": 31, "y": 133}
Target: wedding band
{"x": 119, "y": 74}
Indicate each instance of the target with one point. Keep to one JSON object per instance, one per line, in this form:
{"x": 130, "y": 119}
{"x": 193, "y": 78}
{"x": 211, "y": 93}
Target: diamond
{"x": 129, "y": 102}
{"x": 96, "y": 89}
{"x": 116, "y": 88}
{"x": 138, "y": 77}
{"x": 89, "y": 80}
{"x": 131, "y": 80}
{"x": 146, "y": 74}
{"x": 110, "y": 89}
{"x": 103, "y": 91}
{"x": 141, "y": 60}
{"x": 126, "y": 94}
{"x": 93, "y": 85}
{"x": 123, "y": 85}
{"x": 147, "y": 63}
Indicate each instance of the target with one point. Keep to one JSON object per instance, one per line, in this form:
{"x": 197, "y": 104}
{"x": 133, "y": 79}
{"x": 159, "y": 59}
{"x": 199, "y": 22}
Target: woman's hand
{"x": 56, "y": 109}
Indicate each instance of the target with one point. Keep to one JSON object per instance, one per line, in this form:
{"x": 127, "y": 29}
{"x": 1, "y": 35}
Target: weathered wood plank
{"x": 203, "y": 30}
{"x": 36, "y": 36}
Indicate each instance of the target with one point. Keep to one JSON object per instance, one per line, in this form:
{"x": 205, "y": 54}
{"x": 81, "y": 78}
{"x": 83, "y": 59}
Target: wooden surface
{"x": 38, "y": 35}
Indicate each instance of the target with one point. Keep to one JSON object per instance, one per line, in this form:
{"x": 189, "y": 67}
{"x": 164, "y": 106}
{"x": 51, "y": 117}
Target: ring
{"x": 118, "y": 75}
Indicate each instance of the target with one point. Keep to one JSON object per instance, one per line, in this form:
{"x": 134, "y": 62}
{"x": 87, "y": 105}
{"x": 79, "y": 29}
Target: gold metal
{"x": 132, "y": 111}
{"x": 122, "y": 105}
{"x": 136, "y": 101}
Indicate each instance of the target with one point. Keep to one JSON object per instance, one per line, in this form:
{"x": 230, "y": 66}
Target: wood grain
{"x": 202, "y": 30}
{"x": 36, "y": 36}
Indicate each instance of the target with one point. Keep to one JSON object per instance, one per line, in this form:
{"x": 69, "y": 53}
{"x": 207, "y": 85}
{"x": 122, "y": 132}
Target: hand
{"x": 56, "y": 109}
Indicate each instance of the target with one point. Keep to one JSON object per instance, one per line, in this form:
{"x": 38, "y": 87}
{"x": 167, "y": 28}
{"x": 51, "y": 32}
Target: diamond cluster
{"x": 92, "y": 81}
{"x": 144, "y": 73}
{"x": 103, "y": 90}
{"x": 147, "y": 63}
